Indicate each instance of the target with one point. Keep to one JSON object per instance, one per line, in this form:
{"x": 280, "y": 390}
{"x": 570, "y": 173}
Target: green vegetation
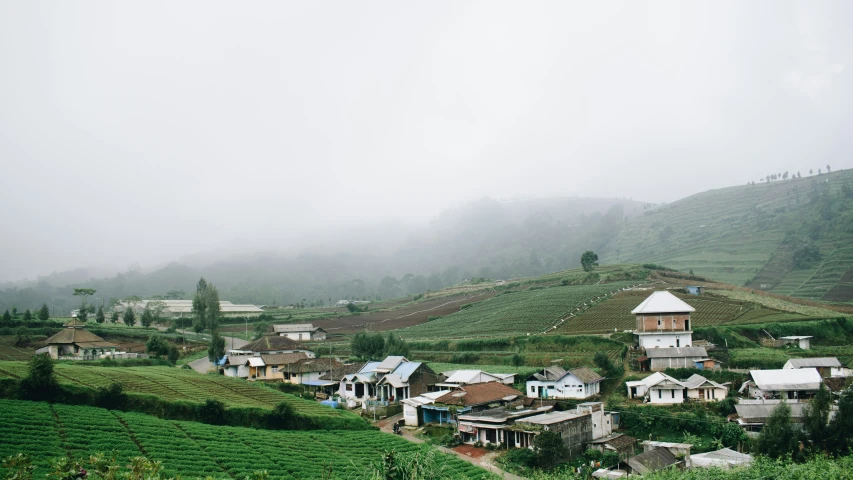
{"x": 589, "y": 260}
{"x": 513, "y": 313}
{"x": 173, "y": 384}
{"x": 373, "y": 345}
{"x": 189, "y": 449}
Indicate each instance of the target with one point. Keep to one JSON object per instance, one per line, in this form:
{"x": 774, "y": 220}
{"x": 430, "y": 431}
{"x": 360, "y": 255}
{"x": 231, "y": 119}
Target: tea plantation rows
{"x": 190, "y": 450}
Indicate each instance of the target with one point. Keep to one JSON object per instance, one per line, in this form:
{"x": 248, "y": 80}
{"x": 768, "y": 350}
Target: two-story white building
{"x": 663, "y": 320}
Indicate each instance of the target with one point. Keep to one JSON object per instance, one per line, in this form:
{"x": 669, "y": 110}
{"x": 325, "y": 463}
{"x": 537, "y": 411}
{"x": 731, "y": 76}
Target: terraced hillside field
{"x": 731, "y": 234}
{"x": 176, "y": 384}
{"x": 513, "y": 313}
{"x": 615, "y": 313}
{"x": 193, "y": 450}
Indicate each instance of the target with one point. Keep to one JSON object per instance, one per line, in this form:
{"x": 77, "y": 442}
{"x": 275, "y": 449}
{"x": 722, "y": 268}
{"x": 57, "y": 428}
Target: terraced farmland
{"x": 512, "y": 313}
{"x": 194, "y": 449}
{"x": 615, "y": 313}
{"x": 175, "y": 384}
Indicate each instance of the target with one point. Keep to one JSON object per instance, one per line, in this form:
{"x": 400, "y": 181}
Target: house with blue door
{"x": 446, "y": 408}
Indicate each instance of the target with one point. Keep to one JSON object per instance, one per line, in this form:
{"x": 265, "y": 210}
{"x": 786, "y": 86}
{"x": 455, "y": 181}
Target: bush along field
{"x": 171, "y": 393}
{"x": 46, "y": 432}
{"x": 514, "y": 352}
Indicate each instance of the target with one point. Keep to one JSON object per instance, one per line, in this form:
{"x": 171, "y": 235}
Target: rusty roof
{"x": 478, "y": 394}
{"x": 272, "y": 343}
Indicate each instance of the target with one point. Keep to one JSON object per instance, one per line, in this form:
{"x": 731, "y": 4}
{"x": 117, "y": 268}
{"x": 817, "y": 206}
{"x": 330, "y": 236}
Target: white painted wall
{"x": 667, "y": 395}
{"x": 663, "y": 340}
{"x": 567, "y": 387}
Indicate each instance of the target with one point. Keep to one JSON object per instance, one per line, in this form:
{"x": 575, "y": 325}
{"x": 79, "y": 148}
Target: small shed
{"x": 652, "y": 461}
{"x": 707, "y": 364}
{"x": 802, "y": 341}
{"x": 694, "y": 289}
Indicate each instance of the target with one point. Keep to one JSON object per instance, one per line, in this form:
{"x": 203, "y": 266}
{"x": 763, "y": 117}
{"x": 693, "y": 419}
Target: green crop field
{"x": 521, "y": 372}
{"x": 614, "y": 313}
{"x": 513, "y": 313}
{"x": 176, "y": 384}
{"x": 190, "y": 450}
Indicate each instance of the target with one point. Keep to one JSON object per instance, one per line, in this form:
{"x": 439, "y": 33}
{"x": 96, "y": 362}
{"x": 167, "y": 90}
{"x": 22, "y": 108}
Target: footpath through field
{"x": 484, "y": 461}
{"x": 203, "y": 365}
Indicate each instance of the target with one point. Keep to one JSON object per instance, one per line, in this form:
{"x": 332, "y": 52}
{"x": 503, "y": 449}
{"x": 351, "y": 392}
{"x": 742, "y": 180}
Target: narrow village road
{"x": 203, "y": 365}
{"x": 485, "y": 462}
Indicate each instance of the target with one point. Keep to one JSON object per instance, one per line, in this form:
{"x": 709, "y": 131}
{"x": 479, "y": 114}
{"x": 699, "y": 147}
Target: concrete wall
{"x": 667, "y": 395}
{"x": 716, "y": 394}
{"x": 575, "y": 433}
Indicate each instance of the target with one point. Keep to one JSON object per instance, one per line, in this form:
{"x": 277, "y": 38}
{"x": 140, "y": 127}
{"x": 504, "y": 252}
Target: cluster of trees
{"x": 42, "y": 314}
{"x": 206, "y": 317}
{"x": 784, "y": 175}
{"x": 820, "y": 432}
{"x": 374, "y": 345}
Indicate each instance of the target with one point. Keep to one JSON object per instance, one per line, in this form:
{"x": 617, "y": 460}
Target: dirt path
{"x": 203, "y": 365}
{"x": 485, "y": 461}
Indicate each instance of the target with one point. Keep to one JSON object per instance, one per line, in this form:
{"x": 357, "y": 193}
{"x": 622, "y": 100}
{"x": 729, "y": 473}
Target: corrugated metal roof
{"x": 293, "y": 327}
{"x": 256, "y": 362}
{"x": 551, "y": 418}
{"x": 813, "y": 362}
{"x": 369, "y": 367}
{"x": 720, "y": 458}
{"x": 469, "y": 376}
{"x": 758, "y": 412}
{"x": 787, "y": 379}
{"x": 406, "y": 369}
{"x": 676, "y": 352}
{"x": 652, "y": 460}
{"x": 662, "y": 302}
{"x": 390, "y": 363}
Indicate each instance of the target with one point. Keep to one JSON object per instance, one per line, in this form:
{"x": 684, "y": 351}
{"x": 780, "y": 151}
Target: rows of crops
{"x": 512, "y": 313}
{"x": 176, "y": 384}
{"x": 615, "y": 313}
{"x": 193, "y": 449}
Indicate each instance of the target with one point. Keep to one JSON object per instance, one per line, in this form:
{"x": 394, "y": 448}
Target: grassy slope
{"x": 176, "y": 384}
{"x": 512, "y": 313}
{"x": 194, "y": 449}
{"x": 731, "y": 234}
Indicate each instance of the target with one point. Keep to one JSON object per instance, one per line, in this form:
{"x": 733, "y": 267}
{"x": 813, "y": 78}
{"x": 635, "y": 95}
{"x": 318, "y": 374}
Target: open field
{"x": 176, "y": 384}
{"x": 193, "y": 449}
{"x": 521, "y": 372}
{"x": 407, "y": 315}
{"x": 513, "y": 313}
{"x": 615, "y": 313}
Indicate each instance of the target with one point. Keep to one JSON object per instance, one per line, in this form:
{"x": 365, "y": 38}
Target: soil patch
{"x": 470, "y": 451}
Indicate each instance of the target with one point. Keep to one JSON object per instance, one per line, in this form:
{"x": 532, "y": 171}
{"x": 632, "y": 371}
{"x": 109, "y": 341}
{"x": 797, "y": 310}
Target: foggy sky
{"x": 143, "y": 131}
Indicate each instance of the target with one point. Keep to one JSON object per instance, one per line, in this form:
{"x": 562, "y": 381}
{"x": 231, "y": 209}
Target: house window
{"x": 275, "y": 369}
{"x": 349, "y": 387}
{"x": 659, "y": 323}
{"x": 660, "y": 393}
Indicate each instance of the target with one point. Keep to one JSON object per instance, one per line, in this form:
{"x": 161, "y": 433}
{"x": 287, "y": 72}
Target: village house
{"x": 469, "y": 398}
{"x": 555, "y": 382}
{"x": 492, "y": 426}
{"x": 828, "y": 367}
{"x": 76, "y": 343}
{"x": 622, "y": 445}
{"x": 184, "y": 308}
{"x": 724, "y": 458}
{"x": 300, "y": 331}
{"x": 272, "y": 344}
{"x": 659, "y": 359}
{"x": 391, "y": 380}
{"x": 753, "y": 414}
{"x": 783, "y": 383}
{"x": 663, "y": 320}
{"x": 652, "y": 461}
{"x": 458, "y": 378}
{"x": 801, "y": 341}
{"x": 414, "y": 416}
{"x": 660, "y": 388}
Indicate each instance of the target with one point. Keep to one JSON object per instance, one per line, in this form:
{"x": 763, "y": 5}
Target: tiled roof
{"x": 272, "y": 343}
{"x": 478, "y": 394}
{"x": 74, "y": 335}
{"x": 340, "y": 372}
{"x": 283, "y": 358}
{"x": 586, "y": 375}
{"x": 309, "y": 365}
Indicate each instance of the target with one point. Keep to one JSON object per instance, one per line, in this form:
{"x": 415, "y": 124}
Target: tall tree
{"x": 777, "y": 438}
{"x": 816, "y": 418}
{"x": 44, "y": 312}
{"x": 83, "y": 313}
{"x": 841, "y": 426}
{"x": 589, "y": 260}
{"x": 146, "y": 318}
{"x": 7, "y": 317}
{"x": 216, "y": 349}
{"x": 28, "y": 316}
{"x": 99, "y": 316}
{"x": 114, "y": 317}
{"x": 129, "y": 316}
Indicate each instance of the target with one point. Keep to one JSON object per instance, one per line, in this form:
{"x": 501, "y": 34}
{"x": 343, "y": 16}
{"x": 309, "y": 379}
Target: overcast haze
{"x": 147, "y": 131}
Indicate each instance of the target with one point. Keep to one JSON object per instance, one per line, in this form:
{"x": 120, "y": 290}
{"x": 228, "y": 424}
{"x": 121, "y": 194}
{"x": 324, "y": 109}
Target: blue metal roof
{"x": 369, "y": 367}
{"x": 406, "y": 369}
